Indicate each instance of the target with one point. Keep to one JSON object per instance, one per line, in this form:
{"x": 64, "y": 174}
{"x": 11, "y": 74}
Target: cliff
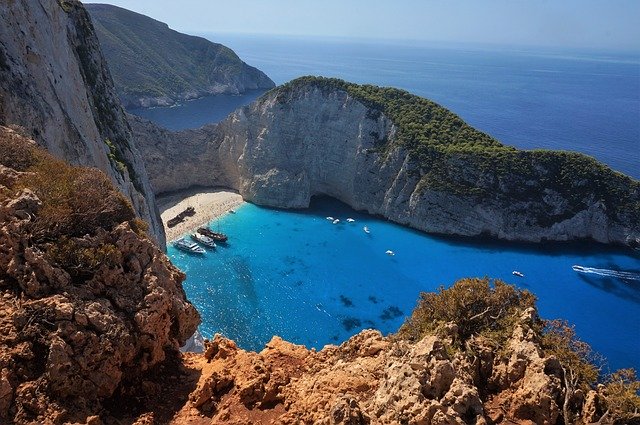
{"x": 54, "y": 83}
{"x": 89, "y": 307}
{"x": 153, "y": 65}
{"x": 391, "y": 153}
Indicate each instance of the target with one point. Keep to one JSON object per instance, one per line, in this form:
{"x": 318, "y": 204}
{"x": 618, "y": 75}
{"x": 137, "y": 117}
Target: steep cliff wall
{"x": 54, "y": 83}
{"x": 154, "y": 65}
{"x": 434, "y": 173}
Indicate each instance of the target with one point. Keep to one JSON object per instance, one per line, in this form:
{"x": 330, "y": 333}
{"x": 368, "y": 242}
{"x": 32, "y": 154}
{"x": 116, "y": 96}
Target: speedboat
{"x": 330, "y": 218}
{"x": 190, "y": 247}
{"x": 350, "y": 220}
{"x": 366, "y": 229}
{"x": 578, "y": 268}
{"x": 204, "y": 240}
{"x": 390, "y": 253}
{"x": 517, "y": 273}
{"x": 336, "y": 221}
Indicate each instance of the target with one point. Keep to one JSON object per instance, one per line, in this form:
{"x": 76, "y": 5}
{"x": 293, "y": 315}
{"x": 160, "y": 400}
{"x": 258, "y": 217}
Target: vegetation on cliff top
{"x": 452, "y": 156}
{"x": 491, "y": 310}
{"x": 147, "y": 59}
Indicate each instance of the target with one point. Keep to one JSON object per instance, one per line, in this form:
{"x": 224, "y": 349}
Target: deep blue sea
{"x": 296, "y": 275}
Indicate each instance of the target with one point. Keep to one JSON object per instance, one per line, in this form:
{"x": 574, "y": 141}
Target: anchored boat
{"x": 190, "y": 247}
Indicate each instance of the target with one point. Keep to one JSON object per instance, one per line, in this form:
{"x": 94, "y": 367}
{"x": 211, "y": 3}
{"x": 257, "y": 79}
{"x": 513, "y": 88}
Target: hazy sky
{"x": 574, "y": 23}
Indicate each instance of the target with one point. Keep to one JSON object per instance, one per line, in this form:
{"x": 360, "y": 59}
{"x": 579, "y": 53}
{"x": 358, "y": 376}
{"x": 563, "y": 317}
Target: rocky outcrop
{"x": 371, "y": 379}
{"x": 82, "y": 319}
{"x": 306, "y": 139}
{"x": 153, "y": 65}
{"x": 54, "y": 83}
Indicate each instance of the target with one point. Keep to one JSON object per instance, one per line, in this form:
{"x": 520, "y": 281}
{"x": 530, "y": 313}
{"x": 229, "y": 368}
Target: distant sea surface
{"x": 572, "y": 100}
{"x": 296, "y": 275}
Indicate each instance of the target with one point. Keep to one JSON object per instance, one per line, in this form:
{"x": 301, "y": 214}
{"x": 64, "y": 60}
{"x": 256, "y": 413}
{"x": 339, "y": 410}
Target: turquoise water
{"x": 297, "y": 275}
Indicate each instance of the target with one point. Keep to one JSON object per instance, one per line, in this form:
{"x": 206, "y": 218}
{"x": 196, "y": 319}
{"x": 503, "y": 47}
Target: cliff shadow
{"x": 162, "y": 392}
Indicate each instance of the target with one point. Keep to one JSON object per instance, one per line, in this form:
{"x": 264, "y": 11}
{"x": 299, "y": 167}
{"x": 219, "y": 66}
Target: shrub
{"x": 76, "y": 200}
{"x": 81, "y": 260}
{"x": 622, "y": 396}
{"x": 476, "y": 306}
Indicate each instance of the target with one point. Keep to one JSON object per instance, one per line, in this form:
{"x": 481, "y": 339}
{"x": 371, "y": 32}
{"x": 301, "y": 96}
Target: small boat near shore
{"x": 204, "y": 240}
{"x": 390, "y": 253}
{"x": 336, "y": 221}
{"x": 350, "y": 220}
{"x": 217, "y": 237}
{"x": 190, "y": 247}
{"x": 366, "y": 230}
{"x": 517, "y": 273}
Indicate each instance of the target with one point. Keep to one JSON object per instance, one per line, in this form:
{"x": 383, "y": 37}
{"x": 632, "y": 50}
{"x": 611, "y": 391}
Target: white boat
{"x": 517, "y": 273}
{"x": 204, "y": 240}
{"x": 330, "y": 218}
{"x": 390, "y": 253}
{"x": 336, "y": 221}
{"x": 578, "y": 268}
{"x": 350, "y": 220}
{"x": 232, "y": 211}
{"x": 366, "y": 229}
{"x": 190, "y": 247}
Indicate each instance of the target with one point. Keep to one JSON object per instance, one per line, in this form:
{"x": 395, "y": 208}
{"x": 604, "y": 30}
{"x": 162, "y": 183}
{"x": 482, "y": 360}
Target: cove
{"x": 296, "y": 275}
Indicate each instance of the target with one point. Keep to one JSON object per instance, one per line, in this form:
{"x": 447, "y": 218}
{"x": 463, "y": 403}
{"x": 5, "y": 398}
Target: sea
{"x": 297, "y": 275}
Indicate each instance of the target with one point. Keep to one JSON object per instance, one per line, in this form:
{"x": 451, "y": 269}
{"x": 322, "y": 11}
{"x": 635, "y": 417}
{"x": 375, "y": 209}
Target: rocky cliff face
{"x": 371, "y": 379}
{"x": 293, "y": 144}
{"x": 153, "y": 65}
{"x": 83, "y": 319}
{"x": 54, "y": 83}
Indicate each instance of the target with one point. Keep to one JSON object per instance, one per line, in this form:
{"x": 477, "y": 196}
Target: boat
{"x": 190, "y": 247}
{"x": 336, "y": 221}
{"x": 578, "y": 268}
{"x": 366, "y": 229}
{"x": 517, "y": 273}
{"x": 390, "y": 253}
{"x": 204, "y": 240}
{"x": 232, "y": 211}
{"x": 330, "y": 218}
{"x": 217, "y": 237}
{"x": 350, "y": 220}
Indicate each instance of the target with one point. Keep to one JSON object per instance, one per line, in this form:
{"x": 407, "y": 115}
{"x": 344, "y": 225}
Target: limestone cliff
{"x": 153, "y": 65}
{"x": 54, "y": 83}
{"x": 387, "y": 152}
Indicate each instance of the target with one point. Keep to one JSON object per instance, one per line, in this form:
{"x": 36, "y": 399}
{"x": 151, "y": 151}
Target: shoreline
{"x": 209, "y": 204}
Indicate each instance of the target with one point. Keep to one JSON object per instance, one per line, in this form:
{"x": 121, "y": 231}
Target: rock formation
{"x": 320, "y": 137}
{"x": 54, "y": 83}
{"x": 371, "y": 379}
{"x": 153, "y": 65}
{"x": 82, "y": 318}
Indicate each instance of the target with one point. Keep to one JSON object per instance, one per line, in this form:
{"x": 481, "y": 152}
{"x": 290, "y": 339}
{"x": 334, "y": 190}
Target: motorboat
{"x": 517, "y": 273}
{"x": 578, "y": 268}
{"x": 190, "y": 247}
{"x": 366, "y": 229}
{"x": 390, "y": 253}
{"x": 336, "y": 221}
{"x": 203, "y": 240}
{"x": 350, "y": 220}
{"x": 330, "y": 218}
{"x": 217, "y": 237}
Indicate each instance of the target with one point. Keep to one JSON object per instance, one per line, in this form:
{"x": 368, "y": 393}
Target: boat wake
{"x": 608, "y": 273}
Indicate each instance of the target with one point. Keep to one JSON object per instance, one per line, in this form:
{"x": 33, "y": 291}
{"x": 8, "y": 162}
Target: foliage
{"x": 622, "y": 396}
{"x": 449, "y": 155}
{"x": 79, "y": 260}
{"x": 476, "y": 306}
{"x": 76, "y": 200}
{"x": 16, "y": 154}
{"x": 559, "y": 339}
{"x": 115, "y": 158}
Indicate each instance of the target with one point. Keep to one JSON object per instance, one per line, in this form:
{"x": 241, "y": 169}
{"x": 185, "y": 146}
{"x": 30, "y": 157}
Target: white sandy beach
{"x": 208, "y": 203}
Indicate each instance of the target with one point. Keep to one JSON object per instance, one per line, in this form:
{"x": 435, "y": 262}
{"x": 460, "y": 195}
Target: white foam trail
{"x": 608, "y": 273}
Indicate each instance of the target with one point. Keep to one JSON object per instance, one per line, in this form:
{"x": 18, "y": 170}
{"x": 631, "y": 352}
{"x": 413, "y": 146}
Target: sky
{"x": 602, "y": 24}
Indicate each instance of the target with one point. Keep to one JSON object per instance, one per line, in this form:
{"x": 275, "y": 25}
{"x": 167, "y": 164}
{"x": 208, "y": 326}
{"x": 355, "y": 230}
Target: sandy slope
{"x": 208, "y": 203}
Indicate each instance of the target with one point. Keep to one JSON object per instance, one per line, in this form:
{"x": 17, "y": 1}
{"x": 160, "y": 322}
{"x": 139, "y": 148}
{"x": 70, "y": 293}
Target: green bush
{"x": 476, "y": 306}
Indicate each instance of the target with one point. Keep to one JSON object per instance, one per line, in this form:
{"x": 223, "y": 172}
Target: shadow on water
{"x": 627, "y": 289}
{"x": 321, "y": 205}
